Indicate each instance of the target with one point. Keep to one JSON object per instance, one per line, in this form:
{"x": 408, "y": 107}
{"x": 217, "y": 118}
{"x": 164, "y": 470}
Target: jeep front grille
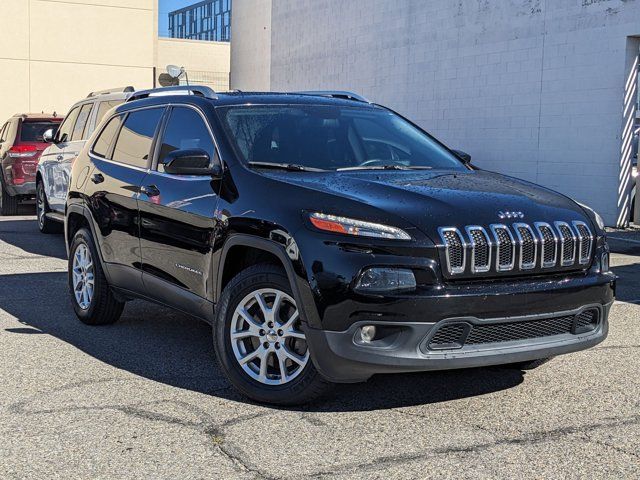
{"x": 519, "y": 247}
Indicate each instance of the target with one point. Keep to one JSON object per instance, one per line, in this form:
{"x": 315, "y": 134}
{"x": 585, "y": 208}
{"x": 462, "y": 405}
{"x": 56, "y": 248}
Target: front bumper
{"x": 27, "y": 188}
{"x": 341, "y": 357}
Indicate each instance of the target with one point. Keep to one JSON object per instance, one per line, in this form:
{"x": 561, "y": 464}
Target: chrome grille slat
{"x": 455, "y": 249}
{"x": 585, "y": 242}
{"x": 480, "y": 249}
{"x": 528, "y": 243}
{"x": 516, "y": 247}
{"x": 548, "y": 245}
{"x": 567, "y": 244}
{"x": 505, "y": 247}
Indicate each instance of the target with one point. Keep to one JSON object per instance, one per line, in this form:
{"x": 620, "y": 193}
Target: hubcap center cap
{"x": 272, "y": 336}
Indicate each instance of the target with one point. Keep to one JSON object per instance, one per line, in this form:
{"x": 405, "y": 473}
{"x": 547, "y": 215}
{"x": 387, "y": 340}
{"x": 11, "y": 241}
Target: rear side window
{"x": 3, "y": 130}
{"x": 81, "y": 122}
{"x": 133, "y": 145}
{"x": 64, "y": 134}
{"x": 104, "y": 107}
{"x": 106, "y": 137}
{"x": 33, "y": 131}
{"x": 185, "y": 130}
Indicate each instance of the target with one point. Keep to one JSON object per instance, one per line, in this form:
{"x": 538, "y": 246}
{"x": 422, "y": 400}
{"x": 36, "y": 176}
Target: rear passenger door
{"x": 71, "y": 150}
{"x": 121, "y": 157}
{"x": 176, "y": 218}
{"x": 51, "y": 159}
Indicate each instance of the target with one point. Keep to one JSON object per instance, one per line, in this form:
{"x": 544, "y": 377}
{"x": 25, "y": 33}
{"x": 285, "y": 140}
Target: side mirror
{"x": 47, "y": 136}
{"x": 464, "y": 156}
{"x": 193, "y": 161}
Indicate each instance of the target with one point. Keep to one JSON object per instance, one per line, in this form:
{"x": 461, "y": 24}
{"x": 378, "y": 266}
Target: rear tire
{"x": 92, "y": 299}
{"x": 45, "y": 224}
{"x": 8, "y": 204}
{"x": 258, "y": 340}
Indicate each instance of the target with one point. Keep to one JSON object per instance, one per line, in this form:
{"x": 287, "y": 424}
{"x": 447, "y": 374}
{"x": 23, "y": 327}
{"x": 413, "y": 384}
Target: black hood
{"x": 431, "y": 199}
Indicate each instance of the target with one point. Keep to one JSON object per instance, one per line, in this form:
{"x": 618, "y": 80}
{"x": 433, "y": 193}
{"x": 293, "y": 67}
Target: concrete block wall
{"x": 530, "y": 88}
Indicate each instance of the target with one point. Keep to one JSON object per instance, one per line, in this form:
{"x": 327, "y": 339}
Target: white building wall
{"x": 530, "y": 88}
{"x": 251, "y": 45}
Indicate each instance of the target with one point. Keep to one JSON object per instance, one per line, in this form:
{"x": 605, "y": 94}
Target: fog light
{"x": 604, "y": 264}
{"x": 368, "y": 333}
{"x": 382, "y": 280}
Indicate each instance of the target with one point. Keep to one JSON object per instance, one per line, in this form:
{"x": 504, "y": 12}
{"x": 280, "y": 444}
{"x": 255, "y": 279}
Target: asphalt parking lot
{"x": 143, "y": 398}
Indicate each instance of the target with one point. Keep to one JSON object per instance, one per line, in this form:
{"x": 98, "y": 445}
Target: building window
{"x": 205, "y": 20}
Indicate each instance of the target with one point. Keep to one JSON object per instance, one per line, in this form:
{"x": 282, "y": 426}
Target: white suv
{"x": 54, "y": 167}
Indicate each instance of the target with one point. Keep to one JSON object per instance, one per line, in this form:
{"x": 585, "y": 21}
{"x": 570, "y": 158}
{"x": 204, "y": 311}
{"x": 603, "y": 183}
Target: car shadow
{"x": 25, "y": 235}
{"x": 165, "y": 346}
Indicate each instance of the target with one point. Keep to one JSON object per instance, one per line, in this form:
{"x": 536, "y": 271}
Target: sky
{"x": 166, "y": 6}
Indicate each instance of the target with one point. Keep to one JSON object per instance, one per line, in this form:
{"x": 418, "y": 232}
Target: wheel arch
{"x": 76, "y": 217}
{"x": 241, "y": 251}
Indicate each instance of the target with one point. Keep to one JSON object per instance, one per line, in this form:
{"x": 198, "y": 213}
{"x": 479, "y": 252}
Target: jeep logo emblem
{"x": 506, "y": 214}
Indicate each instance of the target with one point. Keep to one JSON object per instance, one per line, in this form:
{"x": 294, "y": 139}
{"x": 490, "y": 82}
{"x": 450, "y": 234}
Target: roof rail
{"x": 128, "y": 89}
{"x": 335, "y": 94}
{"x": 200, "y": 90}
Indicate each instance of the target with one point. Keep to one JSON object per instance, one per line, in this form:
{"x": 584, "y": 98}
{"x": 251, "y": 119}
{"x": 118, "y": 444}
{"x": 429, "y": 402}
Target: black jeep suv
{"x": 326, "y": 239}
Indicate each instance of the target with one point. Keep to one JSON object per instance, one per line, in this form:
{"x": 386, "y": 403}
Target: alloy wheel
{"x": 83, "y": 276}
{"x": 40, "y": 205}
{"x": 266, "y": 338}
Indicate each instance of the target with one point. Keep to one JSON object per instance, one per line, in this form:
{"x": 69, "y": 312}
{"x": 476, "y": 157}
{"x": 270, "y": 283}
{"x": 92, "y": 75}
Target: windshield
{"x": 332, "y": 138}
{"x": 33, "y": 131}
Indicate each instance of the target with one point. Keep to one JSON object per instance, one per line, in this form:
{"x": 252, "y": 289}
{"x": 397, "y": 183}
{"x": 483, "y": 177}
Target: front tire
{"x": 258, "y": 339}
{"x": 45, "y": 224}
{"x": 92, "y": 299}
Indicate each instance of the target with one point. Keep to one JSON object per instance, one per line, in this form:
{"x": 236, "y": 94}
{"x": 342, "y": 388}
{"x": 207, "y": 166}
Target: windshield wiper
{"x": 291, "y": 167}
{"x": 383, "y": 167}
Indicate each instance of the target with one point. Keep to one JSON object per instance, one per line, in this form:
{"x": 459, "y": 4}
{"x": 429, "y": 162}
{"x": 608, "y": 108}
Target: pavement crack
{"x": 526, "y": 439}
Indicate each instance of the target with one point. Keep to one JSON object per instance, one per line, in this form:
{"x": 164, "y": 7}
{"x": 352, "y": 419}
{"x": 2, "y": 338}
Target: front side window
{"x": 81, "y": 123}
{"x": 64, "y": 133}
{"x": 104, "y": 141}
{"x": 33, "y": 131}
{"x": 133, "y": 145}
{"x": 185, "y": 130}
{"x": 331, "y": 137}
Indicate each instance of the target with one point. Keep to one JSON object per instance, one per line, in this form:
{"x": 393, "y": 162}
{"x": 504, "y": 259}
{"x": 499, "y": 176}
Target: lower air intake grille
{"x": 449, "y": 335}
{"x": 506, "y": 332}
{"x": 452, "y": 335}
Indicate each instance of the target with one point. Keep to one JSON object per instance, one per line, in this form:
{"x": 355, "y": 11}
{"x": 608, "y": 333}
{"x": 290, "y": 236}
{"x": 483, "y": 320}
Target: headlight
{"x": 360, "y": 228}
{"x": 596, "y": 215}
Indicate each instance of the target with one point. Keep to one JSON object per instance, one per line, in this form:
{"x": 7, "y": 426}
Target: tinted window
{"x": 33, "y": 131}
{"x": 3, "y": 130}
{"x": 186, "y": 129}
{"x": 104, "y": 107}
{"x": 105, "y": 139}
{"x": 133, "y": 146}
{"x": 81, "y": 122}
{"x": 332, "y": 137}
{"x": 67, "y": 125}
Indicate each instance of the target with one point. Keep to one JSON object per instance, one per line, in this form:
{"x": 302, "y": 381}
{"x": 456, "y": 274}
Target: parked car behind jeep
{"x": 54, "y": 168}
{"x": 326, "y": 239}
{"x": 21, "y": 144}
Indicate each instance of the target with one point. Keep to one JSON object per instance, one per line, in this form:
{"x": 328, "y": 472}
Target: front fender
{"x": 285, "y": 249}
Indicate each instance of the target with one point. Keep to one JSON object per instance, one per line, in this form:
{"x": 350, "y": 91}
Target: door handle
{"x": 150, "y": 190}
{"x": 97, "y": 178}
{"x": 59, "y": 158}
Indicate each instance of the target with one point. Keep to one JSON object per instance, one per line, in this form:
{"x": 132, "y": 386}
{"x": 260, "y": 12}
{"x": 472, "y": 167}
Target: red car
{"x": 21, "y": 144}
